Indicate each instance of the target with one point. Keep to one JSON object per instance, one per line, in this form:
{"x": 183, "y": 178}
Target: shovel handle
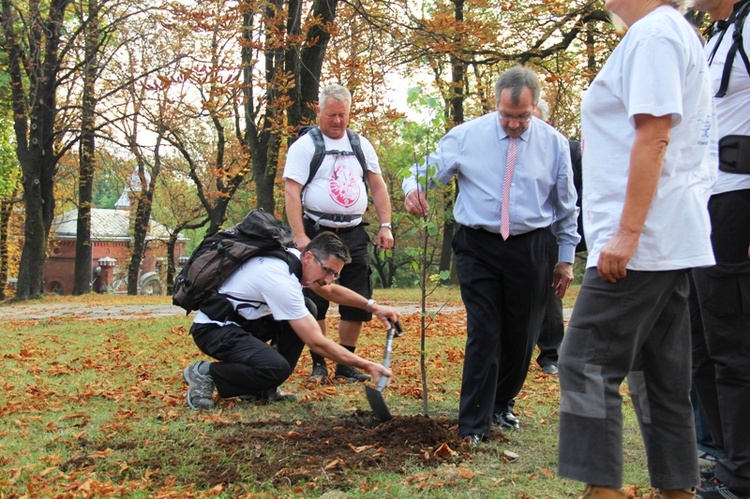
{"x": 387, "y": 358}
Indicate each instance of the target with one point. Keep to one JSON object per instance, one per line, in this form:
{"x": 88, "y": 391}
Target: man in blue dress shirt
{"x": 501, "y": 248}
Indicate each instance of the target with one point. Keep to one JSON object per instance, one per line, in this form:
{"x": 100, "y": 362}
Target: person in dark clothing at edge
{"x": 721, "y": 356}
{"x": 553, "y": 325}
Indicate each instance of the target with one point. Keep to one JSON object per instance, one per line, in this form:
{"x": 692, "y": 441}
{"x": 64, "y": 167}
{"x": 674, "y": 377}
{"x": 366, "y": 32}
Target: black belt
{"x": 333, "y": 217}
{"x": 315, "y": 224}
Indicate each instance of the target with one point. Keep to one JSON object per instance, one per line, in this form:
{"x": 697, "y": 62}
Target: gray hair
{"x": 336, "y": 92}
{"x": 327, "y": 244}
{"x": 543, "y": 108}
{"x": 515, "y": 79}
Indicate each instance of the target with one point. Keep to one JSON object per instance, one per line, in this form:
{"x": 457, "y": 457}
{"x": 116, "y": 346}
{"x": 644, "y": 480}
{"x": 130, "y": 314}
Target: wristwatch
{"x": 385, "y": 224}
{"x": 369, "y": 305}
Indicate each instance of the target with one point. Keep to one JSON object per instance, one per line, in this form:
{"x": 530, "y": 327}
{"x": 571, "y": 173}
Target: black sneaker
{"x": 351, "y": 374}
{"x": 319, "y": 374}
{"x": 274, "y": 395}
{"x": 714, "y": 489}
{"x": 200, "y": 393}
{"x": 279, "y": 396}
{"x": 506, "y": 419}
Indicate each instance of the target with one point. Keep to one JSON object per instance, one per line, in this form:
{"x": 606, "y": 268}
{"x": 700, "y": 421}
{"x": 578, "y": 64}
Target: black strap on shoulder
{"x": 295, "y": 265}
{"x": 738, "y": 19}
{"x": 358, "y": 152}
{"x": 320, "y": 151}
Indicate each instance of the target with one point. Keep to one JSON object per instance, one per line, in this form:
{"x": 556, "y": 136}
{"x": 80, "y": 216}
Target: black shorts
{"x": 354, "y": 275}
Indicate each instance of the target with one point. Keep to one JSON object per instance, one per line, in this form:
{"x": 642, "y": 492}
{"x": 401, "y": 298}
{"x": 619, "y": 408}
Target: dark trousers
{"x": 636, "y": 327}
{"x": 724, "y": 297}
{"x": 355, "y": 275}
{"x": 502, "y": 287}
{"x": 707, "y": 428}
{"x": 249, "y": 364}
{"x": 553, "y": 325}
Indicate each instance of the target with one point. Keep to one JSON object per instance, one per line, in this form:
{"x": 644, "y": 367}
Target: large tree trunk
{"x": 34, "y": 122}
{"x": 313, "y": 56}
{"x": 30, "y": 281}
{"x": 82, "y": 277}
{"x": 293, "y": 64}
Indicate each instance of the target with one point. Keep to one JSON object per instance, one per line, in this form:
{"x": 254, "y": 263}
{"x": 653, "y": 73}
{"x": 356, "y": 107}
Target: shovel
{"x": 375, "y": 395}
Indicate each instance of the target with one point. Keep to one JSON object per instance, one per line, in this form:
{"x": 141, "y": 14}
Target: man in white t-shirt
{"x": 649, "y": 160}
{"x": 268, "y": 305}
{"x": 721, "y": 355}
{"x": 335, "y": 200}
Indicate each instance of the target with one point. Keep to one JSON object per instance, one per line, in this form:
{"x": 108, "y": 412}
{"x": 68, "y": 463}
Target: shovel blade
{"x": 377, "y": 402}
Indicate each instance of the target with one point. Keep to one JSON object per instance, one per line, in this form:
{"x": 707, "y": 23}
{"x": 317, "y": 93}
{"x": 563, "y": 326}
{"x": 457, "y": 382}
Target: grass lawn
{"x": 96, "y": 408}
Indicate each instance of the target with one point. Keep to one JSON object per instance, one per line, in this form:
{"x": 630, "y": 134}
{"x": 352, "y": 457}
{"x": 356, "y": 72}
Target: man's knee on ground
{"x": 272, "y": 372}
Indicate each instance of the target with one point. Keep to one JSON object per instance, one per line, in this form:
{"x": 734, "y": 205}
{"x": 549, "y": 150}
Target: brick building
{"x": 111, "y": 239}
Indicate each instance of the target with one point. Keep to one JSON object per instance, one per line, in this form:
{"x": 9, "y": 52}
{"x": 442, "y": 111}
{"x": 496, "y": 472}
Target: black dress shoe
{"x": 506, "y": 419}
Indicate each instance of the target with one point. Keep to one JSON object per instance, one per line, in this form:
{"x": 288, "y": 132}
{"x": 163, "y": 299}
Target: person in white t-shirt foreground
{"x": 258, "y": 351}
{"x": 335, "y": 200}
{"x": 649, "y": 160}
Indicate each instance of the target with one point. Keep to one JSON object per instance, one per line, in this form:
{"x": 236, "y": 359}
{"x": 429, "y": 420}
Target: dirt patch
{"x": 333, "y": 450}
{"x": 324, "y": 453}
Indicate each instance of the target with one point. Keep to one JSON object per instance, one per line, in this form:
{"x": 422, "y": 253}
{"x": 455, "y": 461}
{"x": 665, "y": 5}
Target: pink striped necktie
{"x": 510, "y": 166}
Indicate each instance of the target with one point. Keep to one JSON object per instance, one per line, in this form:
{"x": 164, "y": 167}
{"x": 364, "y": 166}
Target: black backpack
{"x": 220, "y": 254}
{"x": 320, "y": 151}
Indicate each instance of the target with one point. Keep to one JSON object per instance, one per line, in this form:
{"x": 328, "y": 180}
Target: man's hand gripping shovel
{"x": 375, "y": 395}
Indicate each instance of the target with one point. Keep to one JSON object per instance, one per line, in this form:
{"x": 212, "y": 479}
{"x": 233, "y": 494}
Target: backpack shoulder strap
{"x": 739, "y": 27}
{"x": 738, "y": 19}
{"x": 320, "y": 151}
{"x": 358, "y": 152}
{"x": 295, "y": 265}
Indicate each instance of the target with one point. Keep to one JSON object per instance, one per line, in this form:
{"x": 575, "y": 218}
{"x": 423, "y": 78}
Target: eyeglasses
{"x": 524, "y": 118}
{"x": 328, "y": 270}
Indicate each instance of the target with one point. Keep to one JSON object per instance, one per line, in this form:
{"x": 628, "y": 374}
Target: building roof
{"x": 110, "y": 225}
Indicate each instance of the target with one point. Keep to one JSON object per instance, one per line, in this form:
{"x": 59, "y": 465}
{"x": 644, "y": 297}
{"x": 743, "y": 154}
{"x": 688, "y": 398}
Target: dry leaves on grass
{"x": 112, "y": 402}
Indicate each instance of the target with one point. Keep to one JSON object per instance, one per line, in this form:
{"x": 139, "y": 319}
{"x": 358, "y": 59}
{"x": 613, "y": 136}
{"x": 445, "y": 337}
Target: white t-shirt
{"x": 657, "y": 69}
{"x": 732, "y": 110}
{"x": 338, "y": 187}
{"x": 267, "y": 286}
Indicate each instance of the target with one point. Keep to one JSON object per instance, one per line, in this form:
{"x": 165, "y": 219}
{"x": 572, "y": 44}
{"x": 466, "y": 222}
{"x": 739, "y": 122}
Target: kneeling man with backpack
{"x": 258, "y": 321}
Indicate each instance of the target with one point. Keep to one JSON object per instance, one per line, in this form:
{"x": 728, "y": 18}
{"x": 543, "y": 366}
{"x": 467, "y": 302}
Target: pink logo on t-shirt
{"x": 344, "y": 186}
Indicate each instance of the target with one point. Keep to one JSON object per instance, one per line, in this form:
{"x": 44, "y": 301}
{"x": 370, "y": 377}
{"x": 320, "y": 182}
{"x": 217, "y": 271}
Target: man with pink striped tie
{"x": 515, "y": 180}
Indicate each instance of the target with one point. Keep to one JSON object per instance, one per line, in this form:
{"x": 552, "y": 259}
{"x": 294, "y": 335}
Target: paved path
{"x": 36, "y": 311}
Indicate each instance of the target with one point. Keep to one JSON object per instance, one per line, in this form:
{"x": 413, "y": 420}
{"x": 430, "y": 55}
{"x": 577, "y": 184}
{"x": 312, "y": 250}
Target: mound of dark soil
{"x": 332, "y": 450}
